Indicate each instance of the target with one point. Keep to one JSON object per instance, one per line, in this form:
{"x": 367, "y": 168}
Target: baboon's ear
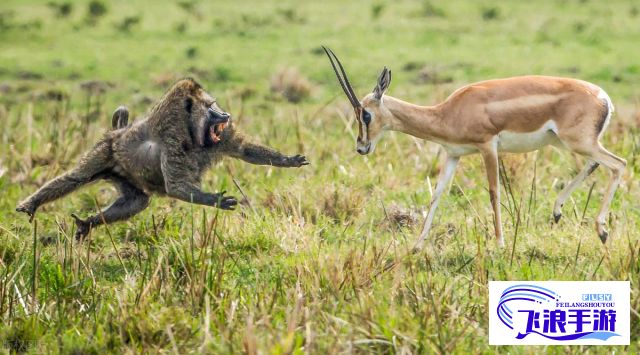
{"x": 188, "y": 104}
{"x": 383, "y": 83}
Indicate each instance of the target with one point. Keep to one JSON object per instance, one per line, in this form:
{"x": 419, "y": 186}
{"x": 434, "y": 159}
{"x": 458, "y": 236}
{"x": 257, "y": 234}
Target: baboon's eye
{"x": 214, "y": 105}
{"x": 366, "y": 117}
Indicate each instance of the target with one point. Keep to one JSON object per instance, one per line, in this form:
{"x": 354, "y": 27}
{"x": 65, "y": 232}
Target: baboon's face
{"x": 212, "y": 119}
{"x": 217, "y": 120}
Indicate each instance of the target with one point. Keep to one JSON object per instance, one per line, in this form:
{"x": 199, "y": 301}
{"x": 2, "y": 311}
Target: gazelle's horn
{"x": 344, "y": 81}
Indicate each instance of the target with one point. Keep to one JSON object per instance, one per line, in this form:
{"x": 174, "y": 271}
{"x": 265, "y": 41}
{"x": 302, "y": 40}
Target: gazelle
{"x": 519, "y": 114}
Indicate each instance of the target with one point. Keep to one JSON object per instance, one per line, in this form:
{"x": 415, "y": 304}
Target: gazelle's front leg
{"x": 446, "y": 174}
{"x": 490, "y": 156}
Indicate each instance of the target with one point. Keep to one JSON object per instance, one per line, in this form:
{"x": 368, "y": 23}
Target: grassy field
{"x": 303, "y": 265}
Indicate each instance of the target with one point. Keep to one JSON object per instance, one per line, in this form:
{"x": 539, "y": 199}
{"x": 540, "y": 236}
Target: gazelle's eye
{"x": 366, "y": 117}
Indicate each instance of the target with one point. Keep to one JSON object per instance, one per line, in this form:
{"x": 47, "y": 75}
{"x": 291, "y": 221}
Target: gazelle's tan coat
{"x": 478, "y": 112}
{"x": 517, "y": 114}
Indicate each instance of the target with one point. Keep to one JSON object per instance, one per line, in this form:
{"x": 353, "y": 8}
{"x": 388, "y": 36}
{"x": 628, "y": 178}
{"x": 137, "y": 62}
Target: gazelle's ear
{"x": 383, "y": 83}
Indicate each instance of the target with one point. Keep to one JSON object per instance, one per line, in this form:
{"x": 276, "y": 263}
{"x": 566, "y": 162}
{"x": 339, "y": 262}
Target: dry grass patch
{"x": 292, "y": 85}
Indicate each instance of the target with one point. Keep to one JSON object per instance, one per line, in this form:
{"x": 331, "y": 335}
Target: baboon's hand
{"x": 297, "y": 161}
{"x": 28, "y": 209}
{"x": 225, "y": 202}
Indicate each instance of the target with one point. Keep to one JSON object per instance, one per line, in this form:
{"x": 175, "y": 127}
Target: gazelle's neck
{"x": 418, "y": 121}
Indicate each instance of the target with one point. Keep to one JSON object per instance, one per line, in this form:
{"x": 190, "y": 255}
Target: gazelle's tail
{"x": 602, "y": 95}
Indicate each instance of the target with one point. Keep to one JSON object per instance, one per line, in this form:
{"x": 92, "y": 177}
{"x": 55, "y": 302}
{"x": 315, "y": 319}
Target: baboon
{"x": 165, "y": 153}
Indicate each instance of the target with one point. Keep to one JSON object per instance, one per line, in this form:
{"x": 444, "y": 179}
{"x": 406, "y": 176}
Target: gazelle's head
{"x": 372, "y": 116}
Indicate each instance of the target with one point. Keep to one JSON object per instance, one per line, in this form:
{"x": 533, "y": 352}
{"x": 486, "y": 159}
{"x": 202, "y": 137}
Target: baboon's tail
{"x": 120, "y": 118}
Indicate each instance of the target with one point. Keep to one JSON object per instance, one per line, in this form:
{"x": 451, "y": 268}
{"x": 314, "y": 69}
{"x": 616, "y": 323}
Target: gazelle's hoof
{"x": 556, "y": 217}
{"x": 603, "y": 236}
{"x": 602, "y": 233}
{"x": 419, "y": 245}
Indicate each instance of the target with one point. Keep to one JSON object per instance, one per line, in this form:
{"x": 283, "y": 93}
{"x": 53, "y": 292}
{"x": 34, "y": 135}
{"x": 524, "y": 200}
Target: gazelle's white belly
{"x": 513, "y": 142}
{"x": 519, "y": 142}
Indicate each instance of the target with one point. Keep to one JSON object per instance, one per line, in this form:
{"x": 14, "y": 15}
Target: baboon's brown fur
{"x": 165, "y": 153}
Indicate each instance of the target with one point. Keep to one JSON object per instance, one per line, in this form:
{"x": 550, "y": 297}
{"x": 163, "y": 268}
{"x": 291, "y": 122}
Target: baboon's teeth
{"x": 215, "y": 132}
{"x": 214, "y": 136}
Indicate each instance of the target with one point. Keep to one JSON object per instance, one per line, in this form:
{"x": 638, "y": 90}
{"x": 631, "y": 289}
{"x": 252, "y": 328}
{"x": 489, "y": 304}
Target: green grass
{"x": 305, "y": 266}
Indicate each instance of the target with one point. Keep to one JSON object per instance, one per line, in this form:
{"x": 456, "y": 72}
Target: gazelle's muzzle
{"x": 363, "y": 147}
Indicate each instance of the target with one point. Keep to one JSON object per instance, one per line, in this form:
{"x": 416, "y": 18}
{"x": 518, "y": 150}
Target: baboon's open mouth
{"x": 215, "y": 131}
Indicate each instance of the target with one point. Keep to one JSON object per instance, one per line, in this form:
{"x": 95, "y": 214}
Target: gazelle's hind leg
{"x": 616, "y": 165}
{"x": 588, "y": 168}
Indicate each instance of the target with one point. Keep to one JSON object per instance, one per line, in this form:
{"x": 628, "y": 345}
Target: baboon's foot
{"x": 83, "y": 227}
{"x": 602, "y": 233}
{"x": 27, "y": 208}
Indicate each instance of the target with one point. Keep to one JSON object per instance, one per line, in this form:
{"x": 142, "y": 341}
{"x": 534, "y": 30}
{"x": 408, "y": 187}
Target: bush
{"x": 377, "y": 9}
{"x": 430, "y": 10}
{"x": 127, "y": 23}
{"x": 61, "y": 9}
{"x": 191, "y": 52}
{"x": 222, "y": 74}
{"x": 97, "y": 9}
{"x": 291, "y": 84}
{"x": 490, "y": 13}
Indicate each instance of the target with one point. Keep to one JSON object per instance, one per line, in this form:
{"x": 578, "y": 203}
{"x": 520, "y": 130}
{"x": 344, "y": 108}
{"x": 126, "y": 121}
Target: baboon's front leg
{"x": 263, "y": 155}
{"x": 88, "y": 169}
{"x": 190, "y": 193}
{"x": 131, "y": 202}
{"x": 180, "y": 183}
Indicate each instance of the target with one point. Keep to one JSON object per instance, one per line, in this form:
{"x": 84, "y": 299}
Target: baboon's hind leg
{"x": 131, "y": 201}
{"x": 90, "y": 168}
